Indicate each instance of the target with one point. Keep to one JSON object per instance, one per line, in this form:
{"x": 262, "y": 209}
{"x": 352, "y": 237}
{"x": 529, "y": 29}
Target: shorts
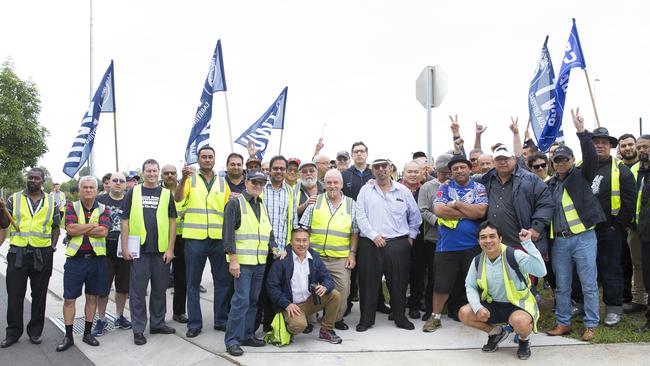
{"x": 450, "y": 269}
{"x": 119, "y": 270}
{"x": 80, "y": 272}
{"x": 500, "y": 311}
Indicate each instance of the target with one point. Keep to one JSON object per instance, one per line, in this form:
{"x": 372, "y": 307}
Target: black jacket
{"x": 578, "y": 184}
{"x": 644, "y": 215}
{"x": 603, "y": 182}
{"x": 352, "y": 182}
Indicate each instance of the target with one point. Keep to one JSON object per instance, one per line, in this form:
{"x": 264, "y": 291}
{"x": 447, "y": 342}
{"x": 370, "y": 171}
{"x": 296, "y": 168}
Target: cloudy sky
{"x": 350, "y": 67}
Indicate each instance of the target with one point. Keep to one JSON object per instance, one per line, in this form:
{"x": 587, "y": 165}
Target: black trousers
{"x": 626, "y": 267}
{"x": 608, "y": 262}
{"x": 180, "y": 276}
{"x": 394, "y": 262}
{"x": 265, "y": 312}
{"x": 17, "y": 286}
{"x": 645, "y": 265}
{"x": 421, "y": 277}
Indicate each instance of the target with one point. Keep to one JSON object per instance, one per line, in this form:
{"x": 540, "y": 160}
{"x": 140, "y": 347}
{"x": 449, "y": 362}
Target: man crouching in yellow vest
{"x": 86, "y": 222}
{"x": 149, "y": 216}
{"x": 496, "y": 292}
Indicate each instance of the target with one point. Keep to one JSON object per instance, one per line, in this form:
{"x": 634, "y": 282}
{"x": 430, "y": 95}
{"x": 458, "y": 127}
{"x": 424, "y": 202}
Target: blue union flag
{"x": 541, "y": 98}
{"x": 103, "y": 101}
{"x": 260, "y": 132}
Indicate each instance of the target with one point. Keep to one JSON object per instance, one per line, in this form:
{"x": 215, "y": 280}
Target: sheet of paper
{"x": 133, "y": 244}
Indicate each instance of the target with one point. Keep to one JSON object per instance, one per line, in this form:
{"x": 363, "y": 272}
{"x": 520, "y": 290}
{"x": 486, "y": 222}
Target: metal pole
{"x": 593, "y": 101}
{"x": 640, "y": 126}
{"x": 91, "y": 158}
{"x": 117, "y": 164}
{"x": 225, "y": 96}
{"x": 429, "y": 125}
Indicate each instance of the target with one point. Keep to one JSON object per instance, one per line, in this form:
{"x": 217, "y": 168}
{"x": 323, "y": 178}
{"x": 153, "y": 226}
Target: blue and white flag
{"x": 260, "y": 132}
{"x": 541, "y": 98}
{"x": 214, "y": 82}
{"x": 573, "y": 57}
{"x": 103, "y": 101}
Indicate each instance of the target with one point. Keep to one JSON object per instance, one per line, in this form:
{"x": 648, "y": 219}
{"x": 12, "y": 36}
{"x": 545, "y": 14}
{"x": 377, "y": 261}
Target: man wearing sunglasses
{"x": 538, "y": 164}
{"x": 117, "y": 268}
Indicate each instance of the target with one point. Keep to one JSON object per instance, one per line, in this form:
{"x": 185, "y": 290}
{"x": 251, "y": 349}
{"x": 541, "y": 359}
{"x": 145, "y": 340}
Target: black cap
{"x": 255, "y": 174}
{"x": 602, "y": 132}
{"x": 343, "y": 154}
{"x": 459, "y": 159}
{"x": 562, "y": 151}
{"x": 132, "y": 175}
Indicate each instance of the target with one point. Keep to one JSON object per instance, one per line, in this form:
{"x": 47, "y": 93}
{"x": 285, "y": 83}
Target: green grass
{"x": 622, "y": 333}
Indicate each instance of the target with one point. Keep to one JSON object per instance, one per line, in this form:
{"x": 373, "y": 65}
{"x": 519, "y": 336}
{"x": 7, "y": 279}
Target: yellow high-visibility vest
{"x": 571, "y": 215}
{"x": 252, "y": 237}
{"x": 330, "y": 233}
{"x": 635, "y": 172}
{"x": 136, "y": 218}
{"x": 34, "y": 230}
{"x": 203, "y": 209}
{"x": 98, "y": 244}
{"x": 522, "y": 299}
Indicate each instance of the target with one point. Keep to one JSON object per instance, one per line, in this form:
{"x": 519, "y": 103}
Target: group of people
{"x": 469, "y": 233}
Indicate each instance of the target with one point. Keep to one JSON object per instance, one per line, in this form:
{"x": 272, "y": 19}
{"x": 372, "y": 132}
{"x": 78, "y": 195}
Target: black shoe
{"x": 139, "y": 339}
{"x": 235, "y": 350}
{"x": 8, "y": 342}
{"x": 644, "y": 328}
{"x": 523, "y": 352}
{"x": 405, "y": 324}
{"x": 65, "y": 344}
{"x": 202, "y": 289}
{"x": 362, "y": 328}
{"x": 181, "y": 318}
{"x": 36, "y": 339}
{"x": 90, "y": 340}
{"x": 391, "y": 316}
{"x": 165, "y": 329}
{"x": 494, "y": 340}
{"x": 633, "y": 307}
{"x": 267, "y": 328}
{"x": 355, "y": 298}
{"x": 253, "y": 342}
{"x": 383, "y": 308}
{"x": 191, "y": 333}
{"x": 414, "y": 313}
{"x": 221, "y": 327}
{"x": 308, "y": 329}
{"x": 348, "y": 309}
{"x": 426, "y": 316}
{"x": 340, "y": 325}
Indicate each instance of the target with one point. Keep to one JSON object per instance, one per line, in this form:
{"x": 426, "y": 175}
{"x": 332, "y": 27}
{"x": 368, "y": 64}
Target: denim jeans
{"x": 243, "y": 306}
{"x": 581, "y": 250}
{"x": 196, "y": 253}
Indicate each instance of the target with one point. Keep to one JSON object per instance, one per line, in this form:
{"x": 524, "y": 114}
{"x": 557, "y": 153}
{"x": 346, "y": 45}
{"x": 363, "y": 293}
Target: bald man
{"x": 322, "y": 166}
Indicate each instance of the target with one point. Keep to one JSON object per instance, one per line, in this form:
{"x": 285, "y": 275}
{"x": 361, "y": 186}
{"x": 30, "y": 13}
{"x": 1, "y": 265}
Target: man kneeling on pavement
{"x": 498, "y": 289}
{"x": 300, "y": 285}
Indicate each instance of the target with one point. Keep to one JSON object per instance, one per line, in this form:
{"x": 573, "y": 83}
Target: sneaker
{"x": 612, "y": 319}
{"x": 329, "y": 336}
{"x": 202, "y": 289}
{"x": 494, "y": 340}
{"x": 122, "y": 323}
{"x": 100, "y": 328}
{"x": 523, "y": 352}
{"x": 431, "y": 325}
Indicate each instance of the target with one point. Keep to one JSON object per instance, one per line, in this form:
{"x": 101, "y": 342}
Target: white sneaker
{"x": 612, "y": 319}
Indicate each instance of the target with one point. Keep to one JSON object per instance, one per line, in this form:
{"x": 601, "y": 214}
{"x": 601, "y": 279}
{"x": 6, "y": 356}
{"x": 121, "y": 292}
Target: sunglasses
{"x": 115, "y": 180}
{"x": 539, "y": 166}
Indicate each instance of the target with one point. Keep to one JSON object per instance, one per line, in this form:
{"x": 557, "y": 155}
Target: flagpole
{"x": 117, "y": 164}
{"x": 225, "y": 96}
{"x": 593, "y": 101}
{"x": 280, "y": 149}
{"x": 91, "y": 158}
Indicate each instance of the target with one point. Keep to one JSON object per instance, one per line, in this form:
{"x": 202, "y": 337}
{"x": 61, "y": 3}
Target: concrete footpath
{"x": 384, "y": 344}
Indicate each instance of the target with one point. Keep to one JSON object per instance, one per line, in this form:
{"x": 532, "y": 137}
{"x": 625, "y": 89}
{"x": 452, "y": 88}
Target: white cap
{"x": 502, "y": 151}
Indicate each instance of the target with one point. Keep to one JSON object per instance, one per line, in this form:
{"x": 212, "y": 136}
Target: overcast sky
{"x": 350, "y": 67}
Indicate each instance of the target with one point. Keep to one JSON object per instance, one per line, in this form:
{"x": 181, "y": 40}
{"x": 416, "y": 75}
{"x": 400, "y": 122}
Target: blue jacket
{"x": 278, "y": 282}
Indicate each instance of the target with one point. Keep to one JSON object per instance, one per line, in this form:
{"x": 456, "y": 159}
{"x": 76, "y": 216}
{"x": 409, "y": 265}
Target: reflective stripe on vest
{"x": 136, "y": 218}
{"x": 635, "y": 173}
{"x": 330, "y": 233}
{"x": 98, "y": 244}
{"x": 34, "y": 230}
{"x": 204, "y": 210}
{"x": 571, "y": 215}
{"x": 522, "y": 299}
{"x": 252, "y": 237}
{"x": 616, "y": 188}
{"x": 450, "y": 223}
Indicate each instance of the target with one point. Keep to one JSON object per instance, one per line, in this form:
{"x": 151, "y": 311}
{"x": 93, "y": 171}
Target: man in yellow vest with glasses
{"x": 33, "y": 234}
{"x": 87, "y": 222}
{"x": 149, "y": 218}
{"x": 576, "y": 213}
{"x": 247, "y": 238}
{"x": 205, "y": 194}
{"x": 498, "y": 289}
{"x": 334, "y": 235}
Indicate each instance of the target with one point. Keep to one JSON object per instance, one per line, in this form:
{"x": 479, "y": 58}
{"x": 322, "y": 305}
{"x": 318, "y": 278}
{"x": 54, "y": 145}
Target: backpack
{"x": 512, "y": 262}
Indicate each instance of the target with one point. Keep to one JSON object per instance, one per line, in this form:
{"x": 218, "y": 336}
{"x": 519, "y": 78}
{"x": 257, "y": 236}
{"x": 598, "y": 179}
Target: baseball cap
{"x": 306, "y": 163}
{"x": 562, "y": 151}
{"x": 502, "y": 151}
{"x": 342, "y": 154}
{"x": 256, "y": 174}
{"x": 295, "y": 161}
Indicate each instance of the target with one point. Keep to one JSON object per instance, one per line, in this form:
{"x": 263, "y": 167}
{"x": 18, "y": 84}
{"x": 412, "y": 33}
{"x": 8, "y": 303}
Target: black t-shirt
{"x": 150, "y": 199}
{"x": 115, "y": 209}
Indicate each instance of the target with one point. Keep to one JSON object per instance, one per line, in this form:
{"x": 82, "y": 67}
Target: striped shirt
{"x": 276, "y": 202}
{"x": 72, "y": 218}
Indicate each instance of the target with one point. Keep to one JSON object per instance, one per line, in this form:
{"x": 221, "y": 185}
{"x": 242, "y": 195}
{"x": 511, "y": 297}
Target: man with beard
{"x": 235, "y": 174}
{"x": 643, "y": 216}
{"x": 35, "y": 233}
{"x": 305, "y": 193}
{"x": 634, "y": 298}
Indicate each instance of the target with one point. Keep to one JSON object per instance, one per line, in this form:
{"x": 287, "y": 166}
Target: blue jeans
{"x": 581, "y": 250}
{"x": 243, "y": 306}
{"x": 196, "y": 253}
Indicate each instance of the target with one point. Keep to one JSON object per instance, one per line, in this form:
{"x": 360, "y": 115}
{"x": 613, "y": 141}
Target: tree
{"x": 22, "y": 136}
